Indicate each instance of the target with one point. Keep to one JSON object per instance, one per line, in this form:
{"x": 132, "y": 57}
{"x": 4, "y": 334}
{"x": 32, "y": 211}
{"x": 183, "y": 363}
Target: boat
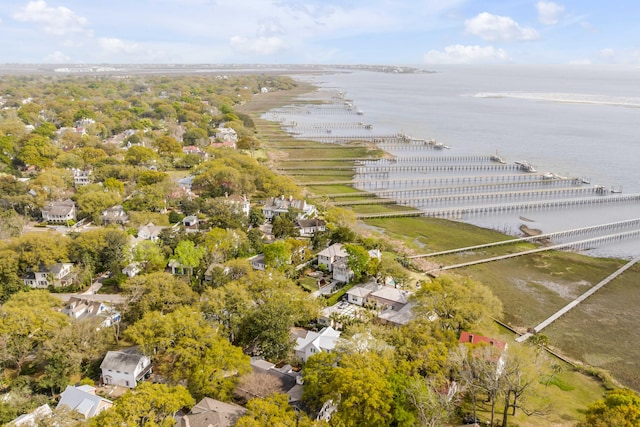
{"x": 496, "y": 158}
{"x": 525, "y": 166}
{"x": 548, "y": 175}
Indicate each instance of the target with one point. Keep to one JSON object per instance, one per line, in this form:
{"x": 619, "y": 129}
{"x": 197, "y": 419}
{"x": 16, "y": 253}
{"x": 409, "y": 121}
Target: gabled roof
{"x": 82, "y": 400}
{"x": 213, "y": 413}
{"x": 314, "y": 222}
{"x": 335, "y": 250}
{"x": 60, "y": 208}
{"x": 125, "y": 361}
{"x": 363, "y": 290}
{"x": 391, "y": 294}
{"x": 326, "y": 339}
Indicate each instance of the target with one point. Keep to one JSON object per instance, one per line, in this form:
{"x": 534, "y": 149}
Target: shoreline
{"x": 568, "y": 277}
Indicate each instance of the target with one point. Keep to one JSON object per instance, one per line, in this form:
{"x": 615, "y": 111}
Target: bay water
{"x": 574, "y": 121}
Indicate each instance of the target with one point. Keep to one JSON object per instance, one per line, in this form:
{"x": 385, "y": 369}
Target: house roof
{"x": 466, "y": 337}
{"x": 81, "y": 400}
{"x": 326, "y": 339}
{"x": 60, "y": 208}
{"x": 398, "y": 317}
{"x": 335, "y": 250}
{"x": 363, "y": 290}
{"x": 391, "y": 294}
{"x": 29, "y": 419}
{"x": 213, "y": 413}
{"x": 125, "y": 361}
{"x": 314, "y": 222}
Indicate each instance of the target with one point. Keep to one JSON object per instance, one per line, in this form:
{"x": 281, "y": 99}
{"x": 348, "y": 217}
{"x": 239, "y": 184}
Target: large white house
{"x": 125, "y": 368}
{"x": 315, "y": 342}
{"x": 280, "y": 205}
{"x": 61, "y": 211}
{"x": 59, "y": 274}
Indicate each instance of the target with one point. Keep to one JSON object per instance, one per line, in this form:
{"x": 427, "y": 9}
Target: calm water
{"x": 573, "y": 121}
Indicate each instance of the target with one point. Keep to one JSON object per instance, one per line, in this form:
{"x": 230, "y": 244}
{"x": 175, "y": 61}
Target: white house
{"x": 190, "y": 221}
{"x": 150, "y": 232}
{"x": 281, "y": 205}
{"x": 342, "y": 272}
{"x": 32, "y": 418}
{"x": 81, "y": 177}
{"x": 114, "y": 215}
{"x": 308, "y": 227}
{"x": 333, "y": 254}
{"x": 315, "y": 342}
{"x": 61, "y": 211}
{"x": 257, "y": 262}
{"x": 82, "y": 308}
{"x": 59, "y": 274}
{"x": 240, "y": 203}
{"x": 225, "y": 134}
{"x": 83, "y": 399}
{"x": 358, "y": 294}
{"x": 125, "y": 368}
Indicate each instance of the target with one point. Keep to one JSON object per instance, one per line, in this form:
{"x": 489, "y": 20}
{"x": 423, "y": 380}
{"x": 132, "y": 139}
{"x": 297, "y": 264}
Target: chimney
{"x": 470, "y": 338}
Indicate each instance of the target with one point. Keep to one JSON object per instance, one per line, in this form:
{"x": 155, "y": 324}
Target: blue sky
{"x": 403, "y": 32}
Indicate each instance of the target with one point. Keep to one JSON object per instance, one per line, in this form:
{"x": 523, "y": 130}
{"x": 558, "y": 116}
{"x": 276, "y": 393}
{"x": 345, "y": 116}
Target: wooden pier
{"x": 564, "y": 310}
{"x": 611, "y": 226}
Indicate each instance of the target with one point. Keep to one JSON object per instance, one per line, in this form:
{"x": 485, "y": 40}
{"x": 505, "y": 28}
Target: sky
{"x": 394, "y": 32}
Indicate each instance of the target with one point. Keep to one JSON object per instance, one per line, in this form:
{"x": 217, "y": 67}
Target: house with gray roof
{"x": 125, "y": 368}
{"x": 316, "y": 342}
{"x": 60, "y": 211}
{"x": 58, "y": 274}
{"x": 83, "y": 399}
{"x": 212, "y": 413}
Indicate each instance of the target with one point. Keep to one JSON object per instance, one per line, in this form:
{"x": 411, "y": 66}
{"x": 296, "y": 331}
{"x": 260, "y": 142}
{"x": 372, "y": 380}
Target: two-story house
{"x": 59, "y": 274}
{"x": 60, "y": 212}
{"x": 125, "y": 368}
{"x": 114, "y": 215}
{"x": 315, "y": 342}
{"x": 83, "y": 308}
{"x": 280, "y": 206}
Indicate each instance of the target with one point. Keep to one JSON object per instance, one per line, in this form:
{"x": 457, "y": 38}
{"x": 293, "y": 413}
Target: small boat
{"x": 525, "y": 166}
{"x": 497, "y": 158}
{"x": 548, "y": 175}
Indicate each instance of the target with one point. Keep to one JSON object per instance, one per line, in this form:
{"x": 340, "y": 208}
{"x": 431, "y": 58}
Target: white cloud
{"x": 494, "y": 27}
{"x": 549, "y": 13}
{"x": 57, "y": 57}
{"x": 460, "y": 54}
{"x": 261, "y": 45}
{"x": 55, "y": 20}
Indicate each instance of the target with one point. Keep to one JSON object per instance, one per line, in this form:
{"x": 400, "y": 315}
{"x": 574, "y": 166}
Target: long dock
{"x": 461, "y": 189}
{"x": 373, "y": 184}
{"x": 580, "y": 244}
{"x": 456, "y": 212}
{"x": 494, "y": 167}
{"x": 547, "y": 236}
{"x": 475, "y": 197}
{"x": 564, "y": 310}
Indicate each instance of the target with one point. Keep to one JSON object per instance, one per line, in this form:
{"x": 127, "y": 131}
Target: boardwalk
{"x": 577, "y": 301}
{"x": 581, "y": 244}
{"x": 548, "y": 236}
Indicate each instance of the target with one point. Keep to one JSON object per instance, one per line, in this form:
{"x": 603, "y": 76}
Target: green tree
{"x": 188, "y": 255}
{"x": 619, "y": 408}
{"x": 139, "y": 155}
{"x": 274, "y": 411}
{"x": 187, "y": 348}
{"x": 150, "y": 256}
{"x": 277, "y": 255}
{"x": 357, "y": 260}
{"x": 460, "y": 303}
{"x": 149, "y": 405}
{"x": 27, "y": 320}
{"x": 91, "y": 204}
{"x": 158, "y": 291}
{"x": 283, "y": 227}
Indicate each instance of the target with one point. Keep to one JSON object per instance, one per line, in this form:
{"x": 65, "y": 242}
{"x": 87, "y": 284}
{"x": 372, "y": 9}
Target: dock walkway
{"x": 577, "y": 301}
